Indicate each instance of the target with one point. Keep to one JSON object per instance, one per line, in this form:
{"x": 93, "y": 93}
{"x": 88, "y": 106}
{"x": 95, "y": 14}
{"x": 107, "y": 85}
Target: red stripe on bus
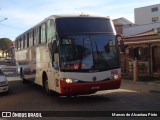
{"x": 86, "y": 88}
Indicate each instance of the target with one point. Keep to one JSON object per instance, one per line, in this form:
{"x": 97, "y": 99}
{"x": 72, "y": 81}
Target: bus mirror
{"x": 55, "y": 65}
{"x": 120, "y": 41}
{"x": 54, "y": 46}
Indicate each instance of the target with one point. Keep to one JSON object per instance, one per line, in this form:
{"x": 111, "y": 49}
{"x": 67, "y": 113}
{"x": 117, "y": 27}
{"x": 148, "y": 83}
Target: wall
{"x": 144, "y": 15}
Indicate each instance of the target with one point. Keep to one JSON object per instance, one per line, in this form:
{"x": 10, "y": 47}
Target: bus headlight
{"x": 116, "y": 77}
{"x": 68, "y": 80}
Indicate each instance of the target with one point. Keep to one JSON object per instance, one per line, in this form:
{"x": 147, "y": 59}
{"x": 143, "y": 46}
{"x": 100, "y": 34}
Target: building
{"x": 145, "y": 48}
{"x": 142, "y": 41}
{"x": 119, "y": 23}
{"x": 147, "y": 14}
{"x": 138, "y": 29}
{"x": 146, "y": 18}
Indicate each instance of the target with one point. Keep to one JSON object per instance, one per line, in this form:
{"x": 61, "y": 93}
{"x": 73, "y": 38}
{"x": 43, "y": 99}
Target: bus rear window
{"x": 77, "y": 25}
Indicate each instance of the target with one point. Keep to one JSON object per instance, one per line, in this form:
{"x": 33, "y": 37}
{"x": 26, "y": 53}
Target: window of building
{"x": 155, "y": 19}
{"x": 154, "y": 9}
{"x": 139, "y": 53}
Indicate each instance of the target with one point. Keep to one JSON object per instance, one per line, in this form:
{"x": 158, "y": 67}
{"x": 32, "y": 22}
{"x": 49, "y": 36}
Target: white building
{"x": 147, "y": 14}
{"x": 120, "y": 22}
{"x": 146, "y": 18}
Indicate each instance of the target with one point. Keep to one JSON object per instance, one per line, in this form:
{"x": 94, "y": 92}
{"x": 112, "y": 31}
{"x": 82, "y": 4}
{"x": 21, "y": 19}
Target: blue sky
{"x": 23, "y": 14}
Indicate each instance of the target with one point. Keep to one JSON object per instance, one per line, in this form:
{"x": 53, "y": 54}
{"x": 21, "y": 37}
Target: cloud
{"x": 26, "y": 13}
{"x": 30, "y": 12}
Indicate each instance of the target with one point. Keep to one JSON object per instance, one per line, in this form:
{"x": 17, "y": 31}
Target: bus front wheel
{"x": 22, "y": 77}
{"x": 46, "y": 86}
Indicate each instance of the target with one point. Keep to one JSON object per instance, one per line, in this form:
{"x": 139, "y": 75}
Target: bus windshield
{"x": 86, "y": 25}
{"x": 88, "y": 53}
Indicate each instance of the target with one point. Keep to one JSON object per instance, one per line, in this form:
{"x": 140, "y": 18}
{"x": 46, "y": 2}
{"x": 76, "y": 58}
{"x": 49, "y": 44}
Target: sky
{"x": 23, "y": 14}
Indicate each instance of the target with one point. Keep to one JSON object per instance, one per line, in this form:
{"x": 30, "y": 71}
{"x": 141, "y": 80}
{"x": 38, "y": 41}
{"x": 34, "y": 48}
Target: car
{"x": 4, "y": 88}
{"x": 7, "y": 60}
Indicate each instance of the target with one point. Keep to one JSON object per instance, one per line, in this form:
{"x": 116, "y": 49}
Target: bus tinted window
{"x": 31, "y": 38}
{"x": 69, "y": 26}
{"x": 21, "y": 43}
{"x": 43, "y": 34}
{"x": 39, "y": 41}
{"x": 50, "y": 30}
{"x": 27, "y": 39}
{"x": 25, "y": 36}
{"x": 36, "y": 36}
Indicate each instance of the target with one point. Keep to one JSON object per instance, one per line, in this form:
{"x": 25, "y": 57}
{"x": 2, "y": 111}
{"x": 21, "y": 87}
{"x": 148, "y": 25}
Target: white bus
{"x": 70, "y": 55}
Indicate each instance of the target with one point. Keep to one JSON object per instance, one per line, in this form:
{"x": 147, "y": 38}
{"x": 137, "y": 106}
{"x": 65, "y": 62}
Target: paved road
{"x": 30, "y": 97}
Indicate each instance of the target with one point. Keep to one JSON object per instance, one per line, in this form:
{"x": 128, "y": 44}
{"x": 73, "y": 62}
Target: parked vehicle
{"x": 7, "y": 60}
{"x": 3, "y": 82}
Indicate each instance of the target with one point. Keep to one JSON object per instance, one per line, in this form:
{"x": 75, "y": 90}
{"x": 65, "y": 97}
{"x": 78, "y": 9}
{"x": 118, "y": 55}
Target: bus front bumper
{"x": 88, "y": 87}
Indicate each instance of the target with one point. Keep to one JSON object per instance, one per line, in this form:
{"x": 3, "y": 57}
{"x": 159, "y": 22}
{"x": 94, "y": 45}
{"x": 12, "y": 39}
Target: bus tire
{"x": 45, "y": 85}
{"x": 22, "y": 77}
{"x": 24, "y": 80}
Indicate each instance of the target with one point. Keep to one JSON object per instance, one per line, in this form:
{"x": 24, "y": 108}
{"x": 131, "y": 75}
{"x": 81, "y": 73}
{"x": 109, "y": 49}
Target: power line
{"x": 3, "y": 19}
{"x": 11, "y": 26}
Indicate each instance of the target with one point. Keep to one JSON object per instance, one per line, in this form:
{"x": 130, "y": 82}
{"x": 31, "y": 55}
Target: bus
{"x": 70, "y": 55}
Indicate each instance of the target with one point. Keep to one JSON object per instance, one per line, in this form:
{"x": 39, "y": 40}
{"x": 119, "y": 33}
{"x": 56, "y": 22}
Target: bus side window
{"x": 43, "y": 34}
{"x": 50, "y": 30}
{"x": 39, "y": 41}
{"x": 53, "y": 49}
{"x": 20, "y": 41}
{"x": 27, "y": 39}
{"x": 36, "y": 36}
{"x": 23, "y": 41}
{"x": 31, "y": 38}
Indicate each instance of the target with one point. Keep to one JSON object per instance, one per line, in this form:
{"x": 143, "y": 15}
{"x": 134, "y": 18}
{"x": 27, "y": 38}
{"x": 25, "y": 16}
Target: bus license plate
{"x": 95, "y": 88}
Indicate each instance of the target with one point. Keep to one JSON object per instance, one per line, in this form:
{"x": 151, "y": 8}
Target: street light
{"x": 4, "y": 19}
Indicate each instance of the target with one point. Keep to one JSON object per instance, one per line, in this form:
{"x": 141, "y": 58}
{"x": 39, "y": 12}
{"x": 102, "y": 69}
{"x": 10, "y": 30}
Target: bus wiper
{"x": 98, "y": 54}
{"x": 80, "y": 62}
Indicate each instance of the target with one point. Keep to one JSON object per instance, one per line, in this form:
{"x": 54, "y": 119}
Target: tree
{"x": 5, "y": 44}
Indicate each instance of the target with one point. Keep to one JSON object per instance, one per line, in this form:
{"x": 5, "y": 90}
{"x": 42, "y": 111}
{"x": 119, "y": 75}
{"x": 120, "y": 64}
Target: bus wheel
{"x": 22, "y": 77}
{"x": 46, "y": 87}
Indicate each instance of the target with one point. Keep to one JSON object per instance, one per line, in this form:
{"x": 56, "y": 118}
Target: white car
{"x": 7, "y": 60}
{"x": 3, "y": 83}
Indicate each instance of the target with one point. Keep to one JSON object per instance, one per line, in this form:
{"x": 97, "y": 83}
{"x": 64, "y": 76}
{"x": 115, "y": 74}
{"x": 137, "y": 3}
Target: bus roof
{"x": 75, "y": 15}
{"x": 63, "y": 16}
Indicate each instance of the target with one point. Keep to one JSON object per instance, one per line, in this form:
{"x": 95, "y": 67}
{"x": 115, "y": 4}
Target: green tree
{"x": 5, "y": 44}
